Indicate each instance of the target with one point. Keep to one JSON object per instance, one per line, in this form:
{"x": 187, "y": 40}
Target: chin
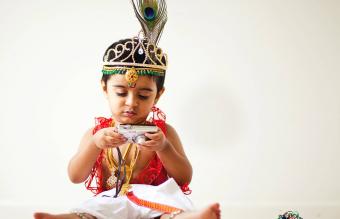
{"x": 128, "y": 120}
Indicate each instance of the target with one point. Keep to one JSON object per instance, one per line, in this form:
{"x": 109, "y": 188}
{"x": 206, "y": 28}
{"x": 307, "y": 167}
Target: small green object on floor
{"x": 290, "y": 215}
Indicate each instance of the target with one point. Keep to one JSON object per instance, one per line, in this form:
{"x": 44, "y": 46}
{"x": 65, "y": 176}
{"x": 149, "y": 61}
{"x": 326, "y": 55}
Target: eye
{"x": 142, "y": 97}
{"x": 121, "y": 94}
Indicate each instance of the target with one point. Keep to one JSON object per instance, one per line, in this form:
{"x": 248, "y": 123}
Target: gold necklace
{"x": 121, "y": 182}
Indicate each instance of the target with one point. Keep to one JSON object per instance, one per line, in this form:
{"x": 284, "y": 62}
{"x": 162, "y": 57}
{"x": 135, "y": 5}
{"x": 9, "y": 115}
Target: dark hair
{"x": 135, "y": 57}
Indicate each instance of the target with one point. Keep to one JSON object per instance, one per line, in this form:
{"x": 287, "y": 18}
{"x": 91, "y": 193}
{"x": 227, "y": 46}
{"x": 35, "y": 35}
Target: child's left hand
{"x": 157, "y": 141}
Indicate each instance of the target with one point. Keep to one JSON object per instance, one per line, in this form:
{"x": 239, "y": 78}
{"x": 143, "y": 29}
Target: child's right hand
{"x": 108, "y": 138}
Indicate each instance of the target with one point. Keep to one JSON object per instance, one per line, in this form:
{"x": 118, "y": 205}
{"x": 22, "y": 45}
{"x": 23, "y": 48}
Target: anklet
{"x": 174, "y": 214}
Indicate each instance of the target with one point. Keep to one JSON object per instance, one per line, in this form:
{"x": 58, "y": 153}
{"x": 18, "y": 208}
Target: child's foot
{"x": 40, "y": 215}
{"x": 211, "y": 212}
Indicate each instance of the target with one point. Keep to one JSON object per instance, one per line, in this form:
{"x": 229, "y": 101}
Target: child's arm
{"x": 171, "y": 153}
{"x": 81, "y": 163}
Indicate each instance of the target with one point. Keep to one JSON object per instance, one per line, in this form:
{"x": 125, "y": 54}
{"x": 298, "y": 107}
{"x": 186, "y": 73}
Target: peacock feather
{"x": 152, "y": 15}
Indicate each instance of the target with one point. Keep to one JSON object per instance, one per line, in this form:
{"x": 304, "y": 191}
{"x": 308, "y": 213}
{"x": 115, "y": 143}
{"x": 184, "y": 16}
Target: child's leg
{"x": 40, "y": 215}
{"x": 211, "y": 212}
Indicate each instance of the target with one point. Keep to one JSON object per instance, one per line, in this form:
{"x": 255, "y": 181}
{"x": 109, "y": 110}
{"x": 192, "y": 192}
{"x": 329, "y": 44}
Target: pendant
{"x": 131, "y": 77}
{"x": 111, "y": 181}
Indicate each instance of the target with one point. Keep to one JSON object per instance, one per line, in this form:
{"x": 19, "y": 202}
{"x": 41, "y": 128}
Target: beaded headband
{"x": 140, "y": 55}
{"x": 132, "y": 74}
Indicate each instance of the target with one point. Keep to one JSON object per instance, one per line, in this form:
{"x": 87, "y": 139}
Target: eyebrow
{"x": 118, "y": 86}
{"x": 145, "y": 89}
{"x": 140, "y": 89}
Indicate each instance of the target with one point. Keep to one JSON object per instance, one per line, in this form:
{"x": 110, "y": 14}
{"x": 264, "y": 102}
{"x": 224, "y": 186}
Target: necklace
{"x": 121, "y": 172}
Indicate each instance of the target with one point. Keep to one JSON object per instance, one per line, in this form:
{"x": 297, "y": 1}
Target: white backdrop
{"x": 252, "y": 89}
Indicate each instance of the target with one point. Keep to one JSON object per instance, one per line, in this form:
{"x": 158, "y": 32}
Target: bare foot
{"x": 40, "y": 215}
{"x": 211, "y": 212}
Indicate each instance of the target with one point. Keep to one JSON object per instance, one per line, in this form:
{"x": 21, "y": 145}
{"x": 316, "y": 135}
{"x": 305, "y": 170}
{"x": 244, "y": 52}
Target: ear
{"x": 104, "y": 87}
{"x": 159, "y": 94}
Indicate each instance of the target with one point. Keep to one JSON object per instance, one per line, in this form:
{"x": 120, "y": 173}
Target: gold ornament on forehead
{"x": 131, "y": 76}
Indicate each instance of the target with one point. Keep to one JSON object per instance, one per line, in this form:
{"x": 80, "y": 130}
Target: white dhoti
{"x": 105, "y": 206}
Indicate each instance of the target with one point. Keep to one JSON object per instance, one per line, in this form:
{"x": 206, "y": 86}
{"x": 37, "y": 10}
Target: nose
{"x": 131, "y": 100}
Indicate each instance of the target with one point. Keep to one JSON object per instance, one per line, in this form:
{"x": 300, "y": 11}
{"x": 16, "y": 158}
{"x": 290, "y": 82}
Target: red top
{"x": 153, "y": 174}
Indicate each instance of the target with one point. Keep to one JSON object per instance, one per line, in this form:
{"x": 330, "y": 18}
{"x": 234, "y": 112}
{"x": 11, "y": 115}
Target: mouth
{"x": 129, "y": 113}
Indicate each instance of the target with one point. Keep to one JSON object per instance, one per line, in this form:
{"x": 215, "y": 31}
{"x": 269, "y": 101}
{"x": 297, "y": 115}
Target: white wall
{"x": 252, "y": 88}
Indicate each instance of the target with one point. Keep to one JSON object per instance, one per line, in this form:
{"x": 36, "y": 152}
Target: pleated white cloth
{"x": 105, "y": 206}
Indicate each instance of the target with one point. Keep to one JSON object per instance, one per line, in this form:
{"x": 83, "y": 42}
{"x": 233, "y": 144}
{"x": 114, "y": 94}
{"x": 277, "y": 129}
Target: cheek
{"x": 147, "y": 105}
{"x": 113, "y": 100}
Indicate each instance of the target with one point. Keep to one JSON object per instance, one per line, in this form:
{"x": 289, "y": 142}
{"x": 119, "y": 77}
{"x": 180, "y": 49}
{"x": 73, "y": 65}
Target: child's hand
{"x": 157, "y": 141}
{"x": 108, "y": 138}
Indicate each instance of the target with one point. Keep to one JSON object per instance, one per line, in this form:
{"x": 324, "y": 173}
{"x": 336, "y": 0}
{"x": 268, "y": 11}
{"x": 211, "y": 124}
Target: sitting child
{"x": 150, "y": 178}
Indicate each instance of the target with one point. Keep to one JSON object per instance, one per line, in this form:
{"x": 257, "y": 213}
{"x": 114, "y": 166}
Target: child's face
{"x": 131, "y": 105}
